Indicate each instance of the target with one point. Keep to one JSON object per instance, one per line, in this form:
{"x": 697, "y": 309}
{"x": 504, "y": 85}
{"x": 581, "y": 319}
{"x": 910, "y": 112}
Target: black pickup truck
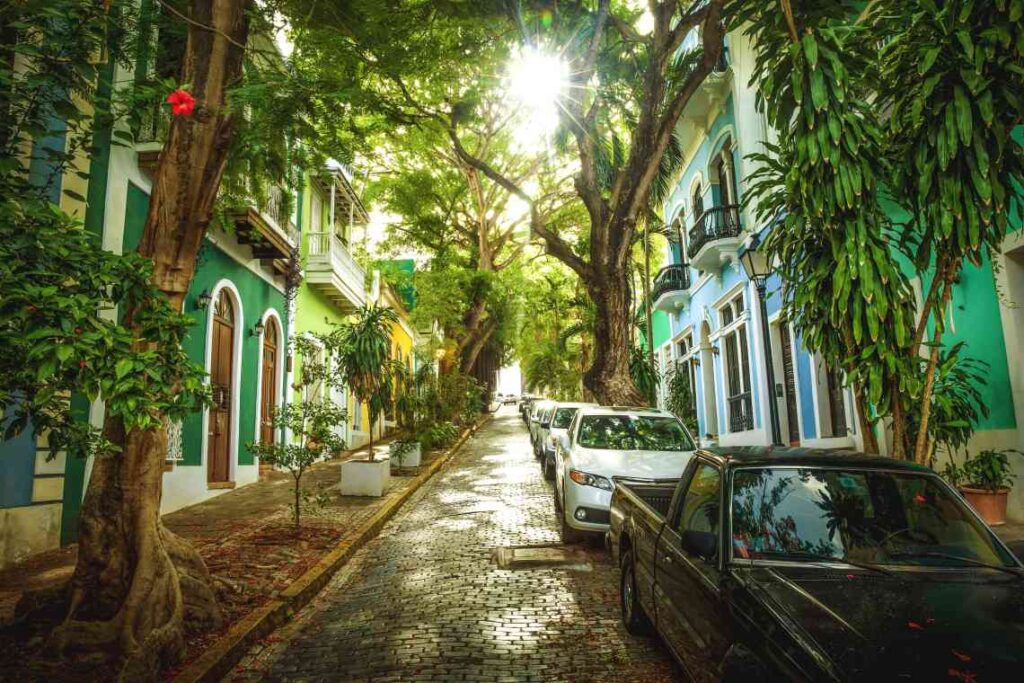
{"x": 801, "y": 565}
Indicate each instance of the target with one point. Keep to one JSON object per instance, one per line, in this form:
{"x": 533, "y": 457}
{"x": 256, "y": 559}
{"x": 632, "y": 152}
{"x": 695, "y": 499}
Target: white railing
{"x": 326, "y": 248}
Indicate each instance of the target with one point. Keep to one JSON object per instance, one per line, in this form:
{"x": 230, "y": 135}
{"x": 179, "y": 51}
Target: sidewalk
{"x": 247, "y": 538}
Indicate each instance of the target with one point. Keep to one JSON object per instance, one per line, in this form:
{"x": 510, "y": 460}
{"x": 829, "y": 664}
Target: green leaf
{"x": 123, "y": 367}
{"x": 928, "y": 60}
{"x": 810, "y": 46}
{"x": 964, "y": 116}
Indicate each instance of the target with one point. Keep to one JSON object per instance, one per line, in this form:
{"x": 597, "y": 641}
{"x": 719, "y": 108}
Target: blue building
{"x": 714, "y": 331}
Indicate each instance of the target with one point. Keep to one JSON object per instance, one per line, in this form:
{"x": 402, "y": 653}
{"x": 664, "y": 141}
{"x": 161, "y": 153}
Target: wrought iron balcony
{"x": 714, "y": 238}
{"x": 670, "y": 287}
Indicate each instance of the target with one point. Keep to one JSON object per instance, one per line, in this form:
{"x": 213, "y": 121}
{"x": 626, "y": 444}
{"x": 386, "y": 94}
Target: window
{"x": 562, "y": 418}
{"x": 701, "y": 506}
{"x": 805, "y": 514}
{"x": 314, "y": 366}
{"x": 633, "y": 433}
{"x": 698, "y": 202}
{"x": 722, "y": 176}
{"x": 737, "y": 366}
{"x": 316, "y": 213}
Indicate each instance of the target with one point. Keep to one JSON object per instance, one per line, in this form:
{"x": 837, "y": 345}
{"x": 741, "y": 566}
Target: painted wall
{"x": 186, "y": 483}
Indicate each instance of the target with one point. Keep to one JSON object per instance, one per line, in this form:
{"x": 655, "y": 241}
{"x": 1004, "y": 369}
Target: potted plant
{"x": 413, "y": 391}
{"x": 361, "y": 350}
{"x": 984, "y": 481}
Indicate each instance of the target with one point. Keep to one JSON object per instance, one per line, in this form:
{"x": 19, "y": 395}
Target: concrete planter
{"x": 365, "y": 478}
{"x": 413, "y": 457}
{"x": 990, "y": 505}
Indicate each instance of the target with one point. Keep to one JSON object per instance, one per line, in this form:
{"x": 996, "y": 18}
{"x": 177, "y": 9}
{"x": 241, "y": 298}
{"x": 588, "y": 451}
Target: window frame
{"x": 733, "y": 316}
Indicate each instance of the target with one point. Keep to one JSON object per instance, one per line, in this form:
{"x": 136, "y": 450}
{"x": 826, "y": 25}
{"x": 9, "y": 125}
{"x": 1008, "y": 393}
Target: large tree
{"x": 462, "y": 222}
{"x": 627, "y": 90}
{"x": 625, "y": 94}
{"x": 135, "y": 583}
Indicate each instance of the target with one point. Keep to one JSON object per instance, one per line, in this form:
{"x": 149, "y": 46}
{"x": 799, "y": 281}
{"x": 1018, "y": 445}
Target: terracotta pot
{"x": 990, "y": 505}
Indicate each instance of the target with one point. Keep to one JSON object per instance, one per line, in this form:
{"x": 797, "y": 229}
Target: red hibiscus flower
{"x": 182, "y": 103}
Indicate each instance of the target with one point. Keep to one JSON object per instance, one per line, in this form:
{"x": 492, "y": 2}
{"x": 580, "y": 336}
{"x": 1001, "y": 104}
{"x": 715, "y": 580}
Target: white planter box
{"x": 365, "y": 478}
{"x": 411, "y": 458}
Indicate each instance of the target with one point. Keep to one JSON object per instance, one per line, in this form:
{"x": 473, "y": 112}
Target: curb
{"x": 218, "y": 659}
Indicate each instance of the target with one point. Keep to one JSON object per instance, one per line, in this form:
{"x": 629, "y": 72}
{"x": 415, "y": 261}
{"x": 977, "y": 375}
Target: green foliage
{"x": 439, "y": 435}
{"x": 957, "y": 403}
{"x": 989, "y": 470}
{"x": 843, "y": 290}
{"x": 645, "y": 375}
{"x": 952, "y": 78}
{"x": 681, "y": 400}
{"x": 74, "y": 319}
{"x": 361, "y": 357}
{"x": 312, "y": 424}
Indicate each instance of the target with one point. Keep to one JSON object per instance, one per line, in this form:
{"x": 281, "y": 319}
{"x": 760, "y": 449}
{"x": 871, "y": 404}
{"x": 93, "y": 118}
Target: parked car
{"x": 541, "y": 416}
{"x": 543, "y": 426}
{"x": 603, "y": 443}
{"x": 526, "y": 408}
{"x": 561, "y": 418}
{"x": 800, "y": 565}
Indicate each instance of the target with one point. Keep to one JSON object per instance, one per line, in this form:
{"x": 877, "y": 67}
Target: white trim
{"x": 236, "y": 377}
{"x": 278, "y": 381}
{"x": 712, "y": 152}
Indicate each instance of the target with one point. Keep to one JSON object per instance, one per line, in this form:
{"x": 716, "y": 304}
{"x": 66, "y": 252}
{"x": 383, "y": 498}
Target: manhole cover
{"x": 538, "y": 557}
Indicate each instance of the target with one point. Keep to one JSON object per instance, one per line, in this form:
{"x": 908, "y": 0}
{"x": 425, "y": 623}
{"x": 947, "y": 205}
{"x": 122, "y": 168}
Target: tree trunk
{"x": 867, "y": 429}
{"x": 472, "y": 353}
{"x": 136, "y": 585}
{"x": 608, "y": 377}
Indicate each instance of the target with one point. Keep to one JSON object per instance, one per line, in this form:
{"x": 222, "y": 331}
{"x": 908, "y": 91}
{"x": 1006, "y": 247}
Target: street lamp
{"x": 757, "y": 267}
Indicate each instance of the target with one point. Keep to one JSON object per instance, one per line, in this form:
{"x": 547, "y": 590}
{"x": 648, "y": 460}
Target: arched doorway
{"x": 707, "y": 371}
{"x": 222, "y": 363}
{"x": 270, "y": 371}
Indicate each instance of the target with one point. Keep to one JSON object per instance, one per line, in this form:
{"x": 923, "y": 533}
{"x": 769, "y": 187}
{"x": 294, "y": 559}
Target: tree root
{"x": 168, "y": 598}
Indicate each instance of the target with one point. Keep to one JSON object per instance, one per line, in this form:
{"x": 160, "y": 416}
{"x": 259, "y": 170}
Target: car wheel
{"x": 549, "y": 469}
{"x": 633, "y": 616}
{"x": 570, "y": 536}
{"x": 558, "y": 501}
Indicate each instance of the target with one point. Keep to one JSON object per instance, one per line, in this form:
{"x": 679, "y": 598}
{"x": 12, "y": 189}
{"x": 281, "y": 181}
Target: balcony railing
{"x": 741, "y": 414}
{"x": 329, "y": 256}
{"x": 716, "y": 223}
{"x": 670, "y": 279}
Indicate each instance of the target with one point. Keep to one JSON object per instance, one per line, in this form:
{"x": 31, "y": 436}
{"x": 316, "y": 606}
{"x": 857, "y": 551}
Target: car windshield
{"x": 563, "y": 416}
{"x": 633, "y": 433}
{"x": 882, "y": 517}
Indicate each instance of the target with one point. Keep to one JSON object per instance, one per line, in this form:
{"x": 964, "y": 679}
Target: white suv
{"x": 606, "y": 443}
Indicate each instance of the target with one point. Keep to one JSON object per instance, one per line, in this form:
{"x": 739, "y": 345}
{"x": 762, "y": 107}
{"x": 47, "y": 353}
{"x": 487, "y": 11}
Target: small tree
{"x": 361, "y": 349}
{"x": 680, "y": 400}
{"x": 312, "y": 423}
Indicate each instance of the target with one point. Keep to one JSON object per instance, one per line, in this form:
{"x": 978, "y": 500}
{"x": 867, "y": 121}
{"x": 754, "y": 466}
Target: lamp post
{"x": 756, "y": 265}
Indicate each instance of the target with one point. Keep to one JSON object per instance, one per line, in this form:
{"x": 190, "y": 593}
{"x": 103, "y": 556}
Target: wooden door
{"x": 789, "y": 382}
{"x": 221, "y": 366}
{"x": 268, "y": 391}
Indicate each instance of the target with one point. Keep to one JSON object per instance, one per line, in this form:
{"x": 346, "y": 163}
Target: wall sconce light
{"x": 257, "y": 329}
{"x": 203, "y": 300}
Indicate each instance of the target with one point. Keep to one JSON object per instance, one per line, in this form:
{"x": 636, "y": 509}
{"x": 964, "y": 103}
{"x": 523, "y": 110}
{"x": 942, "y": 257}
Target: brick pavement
{"x": 425, "y": 602}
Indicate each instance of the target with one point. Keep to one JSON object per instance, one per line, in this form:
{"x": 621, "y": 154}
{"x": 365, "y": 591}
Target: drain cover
{"x": 538, "y": 557}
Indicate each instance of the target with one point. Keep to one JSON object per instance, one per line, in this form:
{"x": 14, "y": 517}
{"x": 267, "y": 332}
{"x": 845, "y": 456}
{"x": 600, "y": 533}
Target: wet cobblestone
{"x": 425, "y": 602}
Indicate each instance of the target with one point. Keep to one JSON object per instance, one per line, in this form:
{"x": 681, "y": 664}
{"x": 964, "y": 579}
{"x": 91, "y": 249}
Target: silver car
{"x": 558, "y": 425}
{"x": 607, "y": 443}
{"x": 536, "y": 415}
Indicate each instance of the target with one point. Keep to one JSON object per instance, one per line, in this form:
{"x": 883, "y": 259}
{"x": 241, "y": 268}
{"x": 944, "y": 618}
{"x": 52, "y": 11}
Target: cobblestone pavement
{"x": 426, "y": 602}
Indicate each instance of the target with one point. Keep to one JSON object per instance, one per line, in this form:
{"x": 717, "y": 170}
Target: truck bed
{"x": 657, "y": 496}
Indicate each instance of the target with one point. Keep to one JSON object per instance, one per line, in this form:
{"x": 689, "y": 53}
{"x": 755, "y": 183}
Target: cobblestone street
{"x": 425, "y": 601}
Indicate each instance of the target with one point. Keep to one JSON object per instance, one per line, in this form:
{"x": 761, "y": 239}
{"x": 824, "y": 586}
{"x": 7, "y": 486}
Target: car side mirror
{"x": 703, "y": 544}
{"x": 545, "y": 425}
